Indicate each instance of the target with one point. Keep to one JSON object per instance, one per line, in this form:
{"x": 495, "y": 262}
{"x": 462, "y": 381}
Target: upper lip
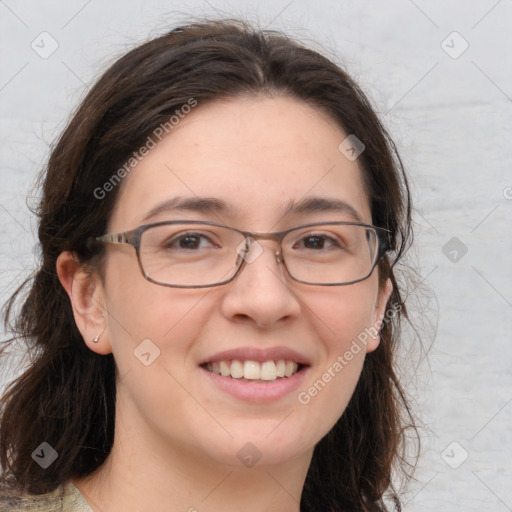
{"x": 258, "y": 354}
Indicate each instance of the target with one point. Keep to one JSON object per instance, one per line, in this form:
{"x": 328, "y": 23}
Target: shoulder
{"x": 65, "y": 498}
{"x": 12, "y": 500}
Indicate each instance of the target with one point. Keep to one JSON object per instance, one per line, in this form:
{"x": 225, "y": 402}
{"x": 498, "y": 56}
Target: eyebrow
{"x": 218, "y": 206}
{"x": 322, "y": 204}
{"x": 196, "y": 204}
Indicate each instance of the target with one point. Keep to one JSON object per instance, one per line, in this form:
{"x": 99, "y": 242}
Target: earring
{"x": 97, "y": 338}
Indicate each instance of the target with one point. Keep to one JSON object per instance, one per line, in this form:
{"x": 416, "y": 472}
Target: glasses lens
{"x": 189, "y": 254}
{"x": 330, "y": 253}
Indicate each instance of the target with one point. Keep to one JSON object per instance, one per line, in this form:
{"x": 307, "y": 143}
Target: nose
{"x": 261, "y": 293}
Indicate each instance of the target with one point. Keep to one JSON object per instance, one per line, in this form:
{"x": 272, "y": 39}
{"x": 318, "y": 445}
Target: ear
{"x": 86, "y": 294}
{"x": 378, "y": 315}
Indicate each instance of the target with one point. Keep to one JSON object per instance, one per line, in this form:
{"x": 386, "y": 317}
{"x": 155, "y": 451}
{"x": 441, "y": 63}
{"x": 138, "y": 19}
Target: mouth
{"x": 255, "y": 371}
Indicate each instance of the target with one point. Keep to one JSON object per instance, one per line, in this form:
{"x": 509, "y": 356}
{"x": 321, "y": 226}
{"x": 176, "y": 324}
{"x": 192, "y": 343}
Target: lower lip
{"x": 258, "y": 392}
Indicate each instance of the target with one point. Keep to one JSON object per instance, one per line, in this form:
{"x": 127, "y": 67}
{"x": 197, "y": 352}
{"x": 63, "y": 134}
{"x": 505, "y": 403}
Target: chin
{"x": 253, "y": 446}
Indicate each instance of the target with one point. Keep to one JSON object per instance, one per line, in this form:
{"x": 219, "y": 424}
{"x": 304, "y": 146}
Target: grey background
{"x": 450, "y": 114}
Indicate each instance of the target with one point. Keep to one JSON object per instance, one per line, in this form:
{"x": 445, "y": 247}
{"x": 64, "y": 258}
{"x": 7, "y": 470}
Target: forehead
{"x": 258, "y": 156}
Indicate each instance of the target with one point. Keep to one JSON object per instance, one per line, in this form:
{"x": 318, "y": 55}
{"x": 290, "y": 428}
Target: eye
{"x": 316, "y": 242}
{"x": 188, "y": 241}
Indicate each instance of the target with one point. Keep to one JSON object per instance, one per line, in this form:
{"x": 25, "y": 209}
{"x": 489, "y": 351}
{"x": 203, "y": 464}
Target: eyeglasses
{"x": 199, "y": 254}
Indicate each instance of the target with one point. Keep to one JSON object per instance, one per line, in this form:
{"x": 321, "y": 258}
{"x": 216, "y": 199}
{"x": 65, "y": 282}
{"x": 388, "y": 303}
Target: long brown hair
{"x": 67, "y": 395}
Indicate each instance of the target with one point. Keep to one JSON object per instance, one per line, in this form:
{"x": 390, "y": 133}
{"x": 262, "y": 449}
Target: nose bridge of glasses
{"x": 253, "y": 246}
{"x": 252, "y": 240}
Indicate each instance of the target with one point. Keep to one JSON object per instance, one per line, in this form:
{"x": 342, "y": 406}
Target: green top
{"x": 65, "y": 498}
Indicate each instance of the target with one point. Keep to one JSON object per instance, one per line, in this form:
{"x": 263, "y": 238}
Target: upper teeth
{"x": 253, "y": 370}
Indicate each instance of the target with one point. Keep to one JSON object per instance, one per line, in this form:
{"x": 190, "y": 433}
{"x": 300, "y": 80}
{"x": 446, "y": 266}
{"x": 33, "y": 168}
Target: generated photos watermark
{"x": 304, "y": 397}
{"x": 152, "y": 140}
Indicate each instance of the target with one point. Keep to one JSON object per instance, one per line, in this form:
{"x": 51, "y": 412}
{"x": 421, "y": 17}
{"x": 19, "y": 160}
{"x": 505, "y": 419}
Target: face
{"x": 258, "y": 156}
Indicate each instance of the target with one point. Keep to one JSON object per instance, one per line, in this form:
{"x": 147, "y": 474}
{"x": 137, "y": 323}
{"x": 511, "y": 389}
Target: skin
{"x": 177, "y": 435}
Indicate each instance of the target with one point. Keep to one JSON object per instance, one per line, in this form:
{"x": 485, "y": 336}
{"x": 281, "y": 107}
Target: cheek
{"x": 152, "y": 331}
{"x": 140, "y": 310}
{"x": 343, "y": 322}
{"x": 342, "y": 315}
{"x": 171, "y": 319}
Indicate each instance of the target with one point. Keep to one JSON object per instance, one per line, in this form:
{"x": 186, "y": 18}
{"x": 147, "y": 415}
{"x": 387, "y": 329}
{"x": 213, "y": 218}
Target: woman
{"x": 216, "y": 313}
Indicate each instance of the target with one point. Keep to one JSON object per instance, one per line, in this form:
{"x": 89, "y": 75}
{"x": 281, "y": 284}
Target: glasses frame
{"x": 134, "y": 236}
